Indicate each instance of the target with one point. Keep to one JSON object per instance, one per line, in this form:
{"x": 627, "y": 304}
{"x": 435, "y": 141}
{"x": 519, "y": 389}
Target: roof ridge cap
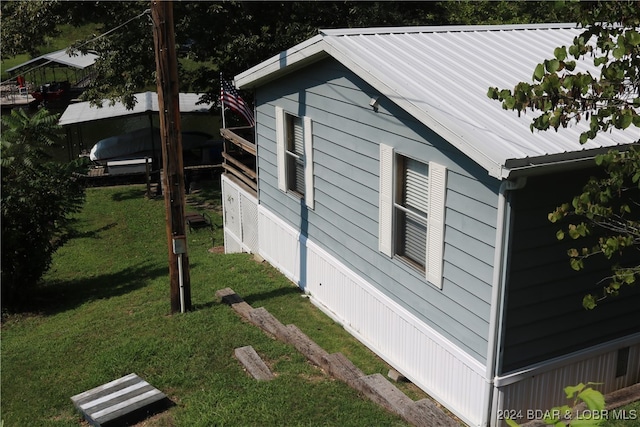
{"x": 442, "y": 28}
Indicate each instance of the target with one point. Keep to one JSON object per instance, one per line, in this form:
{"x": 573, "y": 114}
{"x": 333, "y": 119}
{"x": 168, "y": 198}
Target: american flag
{"x": 230, "y": 97}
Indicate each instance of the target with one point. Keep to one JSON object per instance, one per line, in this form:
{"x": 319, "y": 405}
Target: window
{"x": 411, "y": 208}
{"x": 411, "y": 217}
{"x": 294, "y": 140}
{"x": 294, "y": 152}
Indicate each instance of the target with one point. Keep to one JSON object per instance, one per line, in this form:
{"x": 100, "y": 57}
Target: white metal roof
{"x": 146, "y": 102}
{"x": 79, "y": 61}
{"x": 441, "y": 75}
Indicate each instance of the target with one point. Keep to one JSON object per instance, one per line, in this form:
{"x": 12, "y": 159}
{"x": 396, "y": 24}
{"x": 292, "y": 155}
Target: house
{"x": 413, "y": 210}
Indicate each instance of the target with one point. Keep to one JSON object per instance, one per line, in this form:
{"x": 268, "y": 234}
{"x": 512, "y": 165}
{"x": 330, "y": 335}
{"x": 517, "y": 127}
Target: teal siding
{"x": 344, "y": 222}
{"x": 544, "y": 313}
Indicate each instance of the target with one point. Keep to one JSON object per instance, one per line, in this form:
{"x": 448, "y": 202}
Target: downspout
{"x": 503, "y": 234}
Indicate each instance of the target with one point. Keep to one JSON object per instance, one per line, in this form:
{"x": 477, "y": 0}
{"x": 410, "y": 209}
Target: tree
{"x": 238, "y": 35}
{"x": 27, "y": 33}
{"x": 606, "y": 215}
{"x": 229, "y": 36}
{"x": 38, "y": 195}
{"x": 26, "y": 25}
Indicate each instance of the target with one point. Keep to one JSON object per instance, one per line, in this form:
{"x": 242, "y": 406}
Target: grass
{"x": 104, "y": 313}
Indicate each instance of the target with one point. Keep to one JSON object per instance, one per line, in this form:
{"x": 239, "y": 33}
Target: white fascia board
{"x": 303, "y": 53}
{"x": 494, "y": 169}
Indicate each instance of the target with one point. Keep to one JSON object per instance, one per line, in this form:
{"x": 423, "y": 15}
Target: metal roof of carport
{"x": 60, "y": 57}
{"x": 441, "y": 75}
{"x": 146, "y": 102}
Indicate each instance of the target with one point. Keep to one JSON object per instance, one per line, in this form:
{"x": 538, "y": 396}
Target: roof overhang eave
{"x": 285, "y": 62}
{"x": 531, "y": 166}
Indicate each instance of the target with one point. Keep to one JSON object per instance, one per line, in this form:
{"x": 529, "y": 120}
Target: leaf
{"x": 589, "y": 302}
{"x": 600, "y": 60}
{"x": 624, "y": 119}
{"x": 577, "y": 265}
{"x": 552, "y": 65}
{"x": 593, "y": 399}
{"x": 587, "y": 422}
{"x": 509, "y": 102}
{"x": 511, "y": 423}
{"x": 620, "y": 50}
{"x": 538, "y": 73}
{"x": 549, "y": 418}
{"x": 560, "y": 53}
{"x": 571, "y": 391}
{"x": 633, "y": 38}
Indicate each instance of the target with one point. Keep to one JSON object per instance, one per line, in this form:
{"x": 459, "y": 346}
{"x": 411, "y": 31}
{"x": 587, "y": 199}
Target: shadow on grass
{"x": 256, "y": 298}
{"x": 60, "y": 296}
{"x": 128, "y": 194}
{"x": 207, "y": 192}
{"x": 92, "y": 234}
{"x": 253, "y": 298}
{"x": 73, "y": 233}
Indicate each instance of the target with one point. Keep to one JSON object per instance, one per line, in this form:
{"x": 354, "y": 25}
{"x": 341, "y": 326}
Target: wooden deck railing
{"x": 239, "y": 156}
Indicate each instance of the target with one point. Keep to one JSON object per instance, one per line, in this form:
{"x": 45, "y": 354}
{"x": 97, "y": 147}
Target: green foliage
{"x": 27, "y": 25}
{"x": 608, "y": 209}
{"x": 563, "y": 96}
{"x": 593, "y": 399}
{"x": 229, "y": 36}
{"x": 37, "y": 197}
{"x": 26, "y": 33}
{"x": 562, "y": 416}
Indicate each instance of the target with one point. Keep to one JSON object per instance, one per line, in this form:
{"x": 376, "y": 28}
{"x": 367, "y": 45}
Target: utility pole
{"x": 172, "y": 163}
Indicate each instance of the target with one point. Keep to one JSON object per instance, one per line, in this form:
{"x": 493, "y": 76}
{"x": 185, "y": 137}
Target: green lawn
{"x": 105, "y": 313}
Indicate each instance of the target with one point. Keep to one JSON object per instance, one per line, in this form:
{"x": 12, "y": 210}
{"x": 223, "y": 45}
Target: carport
{"x": 83, "y": 113}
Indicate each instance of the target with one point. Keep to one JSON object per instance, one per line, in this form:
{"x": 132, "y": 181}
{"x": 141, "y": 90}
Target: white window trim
{"x": 435, "y": 216}
{"x": 281, "y": 154}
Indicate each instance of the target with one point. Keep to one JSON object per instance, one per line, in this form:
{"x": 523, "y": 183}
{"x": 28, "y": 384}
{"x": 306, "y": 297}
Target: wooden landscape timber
{"x": 375, "y": 387}
{"x": 253, "y": 363}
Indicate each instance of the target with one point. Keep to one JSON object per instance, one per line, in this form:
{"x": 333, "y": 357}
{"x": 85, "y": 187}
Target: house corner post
{"x": 500, "y": 263}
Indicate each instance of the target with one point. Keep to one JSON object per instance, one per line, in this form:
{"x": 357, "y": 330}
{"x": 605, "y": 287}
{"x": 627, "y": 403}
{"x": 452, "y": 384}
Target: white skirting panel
{"x": 541, "y": 387}
{"x": 421, "y": 354}
{"x": 240, "y": 218}
{"x": 279, "y": 244}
